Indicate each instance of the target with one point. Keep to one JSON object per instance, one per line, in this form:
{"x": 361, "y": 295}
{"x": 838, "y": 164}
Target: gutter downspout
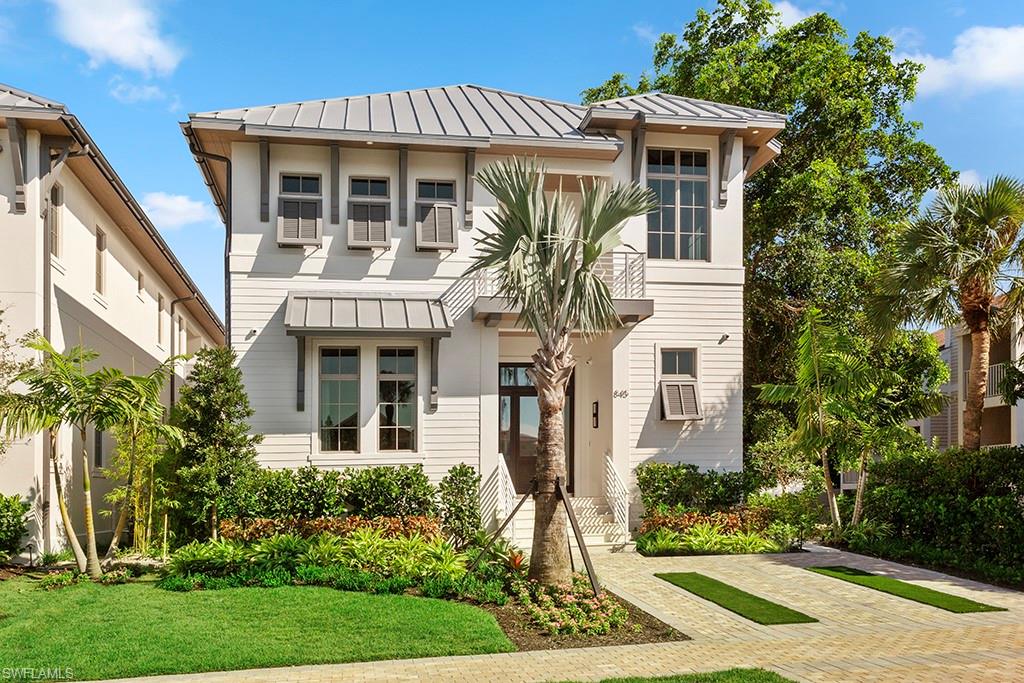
{"x": 174, "y": 339}
{"x": 198, "y": 153}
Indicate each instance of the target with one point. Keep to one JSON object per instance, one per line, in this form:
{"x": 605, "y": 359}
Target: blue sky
{"x": 131, "y": 69}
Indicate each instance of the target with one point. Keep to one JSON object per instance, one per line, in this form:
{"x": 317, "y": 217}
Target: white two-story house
{"x": 81, "y": 263}
{"x": 362, "y": 341}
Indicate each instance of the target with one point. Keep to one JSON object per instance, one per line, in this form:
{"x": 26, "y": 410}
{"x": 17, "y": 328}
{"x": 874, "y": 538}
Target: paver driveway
{"x": 862, "y": 634}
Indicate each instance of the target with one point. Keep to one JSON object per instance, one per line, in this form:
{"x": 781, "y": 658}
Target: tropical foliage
{"x": 543, "y": 254}
{"x": 960, "y": 262}
{"x": 12, "y": 524}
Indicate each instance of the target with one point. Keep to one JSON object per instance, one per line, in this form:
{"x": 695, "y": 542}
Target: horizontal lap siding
{"x": 447, "y": 437}
{"x": 690, "y": 315}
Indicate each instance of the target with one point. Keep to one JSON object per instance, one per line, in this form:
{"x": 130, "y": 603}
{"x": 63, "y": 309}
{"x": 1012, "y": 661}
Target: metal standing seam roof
{"x": 469, "y": 111}
{"x": 14, "y": 98}
{"x": 662, "y": 104}
{"x": 341, "y": 313}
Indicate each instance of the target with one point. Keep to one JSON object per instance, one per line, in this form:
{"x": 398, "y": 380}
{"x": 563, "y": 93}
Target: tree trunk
{"x": 549, "y": 559}
{"x": 62, "y": 505}
{"x": 122, "y": 515}
{"x": 977, "y": 381}
{"x": 149, "y": 505}
{"x": 862, "y": 477}
{"x": 213, "y": 521}
{"x": 92, "y": 563}
{"x": 830, "y": 495}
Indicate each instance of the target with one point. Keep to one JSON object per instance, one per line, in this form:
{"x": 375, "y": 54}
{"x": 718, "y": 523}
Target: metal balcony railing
{"x": 996, "y": 373}
{"x": 624, "y": 271}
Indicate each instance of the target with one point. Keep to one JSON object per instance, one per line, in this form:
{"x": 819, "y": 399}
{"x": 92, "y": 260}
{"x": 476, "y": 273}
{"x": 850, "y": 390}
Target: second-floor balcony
{"x": 996, "y": 373}
{"x": 623, "y": 271}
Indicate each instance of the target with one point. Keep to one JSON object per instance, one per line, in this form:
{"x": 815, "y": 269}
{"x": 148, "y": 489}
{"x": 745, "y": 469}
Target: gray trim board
{"x": 403, "y": 185}
{"x": 300, "y": 374}
{"x": 639, "y": 147}
{"x": 725, "y": 144}
{"x": 335, "y": 184}
{"x": 16, "y": 135}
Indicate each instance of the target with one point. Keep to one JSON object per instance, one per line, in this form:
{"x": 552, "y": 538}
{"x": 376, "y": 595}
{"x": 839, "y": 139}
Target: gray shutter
{"x": 290, "y": 219}
{"x": 361, "y": 222}
{"x": 428, "y": 223}
{"x": 680, "y": 401}
{"x": 378, "y": 224}
{"x": 444, "y": 221}
{"x": 309, "y": 218}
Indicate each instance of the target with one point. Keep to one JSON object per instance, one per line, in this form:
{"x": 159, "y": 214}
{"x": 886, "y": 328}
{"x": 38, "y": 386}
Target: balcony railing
{"x": 623, "y": 271}
{"x": 996, "y": 373}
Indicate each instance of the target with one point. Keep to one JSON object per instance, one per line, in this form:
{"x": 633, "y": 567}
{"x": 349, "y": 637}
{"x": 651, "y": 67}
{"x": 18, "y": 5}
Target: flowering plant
{"x": 571, "y": 609}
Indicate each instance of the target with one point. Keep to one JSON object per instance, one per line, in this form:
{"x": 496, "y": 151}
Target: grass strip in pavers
{"x": 733, "y": 599}
{"x": 909, "y": 591}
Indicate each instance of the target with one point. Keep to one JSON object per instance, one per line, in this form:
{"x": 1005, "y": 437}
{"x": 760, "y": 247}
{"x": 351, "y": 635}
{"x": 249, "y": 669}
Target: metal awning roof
{"x": 349, "y": 314}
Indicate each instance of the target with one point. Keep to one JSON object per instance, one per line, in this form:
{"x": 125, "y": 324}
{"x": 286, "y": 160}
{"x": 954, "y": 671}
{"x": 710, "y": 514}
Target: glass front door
{"x": 519, "y": 423}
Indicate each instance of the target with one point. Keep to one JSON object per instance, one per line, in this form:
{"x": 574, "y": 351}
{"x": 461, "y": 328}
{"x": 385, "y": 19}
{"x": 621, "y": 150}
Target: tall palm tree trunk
{"x": 549, "y": 560}
{"x": 62, "y": 505}
{"x": 830, "y": 494}
{"x": 977, "y": 381}
{"x": 92, "y": 564}
{"x": 862, "y": 477}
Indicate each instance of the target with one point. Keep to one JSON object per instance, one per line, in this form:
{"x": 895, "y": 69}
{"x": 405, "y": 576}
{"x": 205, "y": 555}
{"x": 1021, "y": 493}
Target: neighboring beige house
{"x": 1002, "y": 424}
{"x": 82, "y": 264}
{"x": 352, "y": 222}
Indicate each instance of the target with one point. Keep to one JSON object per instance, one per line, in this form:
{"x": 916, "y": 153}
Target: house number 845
{"x": 620, "y": 393}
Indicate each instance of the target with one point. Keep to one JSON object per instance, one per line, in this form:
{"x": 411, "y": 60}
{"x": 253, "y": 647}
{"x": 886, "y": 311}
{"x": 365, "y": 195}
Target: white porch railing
{"x": 617, "y": 495}
{"x": 996, "y": 373}
{"x": 623, "y": 271}
{"x": 506, "y": 492}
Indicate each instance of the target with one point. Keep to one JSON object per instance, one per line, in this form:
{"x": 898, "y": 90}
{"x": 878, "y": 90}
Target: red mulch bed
{"x": 524, "y": 634}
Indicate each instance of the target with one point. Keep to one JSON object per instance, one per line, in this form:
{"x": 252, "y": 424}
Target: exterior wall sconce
{"x": 594, "y": 414}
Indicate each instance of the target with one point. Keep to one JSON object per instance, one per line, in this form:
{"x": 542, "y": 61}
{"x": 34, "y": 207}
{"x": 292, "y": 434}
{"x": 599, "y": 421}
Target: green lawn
{"x": 910, "y": 591}
{"x": 733, "y": 599}
{"x": 137, "y": 629}
{"x": 730, "y": 676}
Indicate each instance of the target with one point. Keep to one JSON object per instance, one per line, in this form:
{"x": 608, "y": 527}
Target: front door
{"x": 519, "y": 422}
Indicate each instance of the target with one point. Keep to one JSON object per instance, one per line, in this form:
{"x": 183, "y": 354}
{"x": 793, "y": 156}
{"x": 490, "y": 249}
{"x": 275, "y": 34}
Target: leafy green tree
{"x": 955, "y": 264}
{"x": 218, "y": 450}
{"x": 10, "y": 366}
{"x": 852, "y": 166}
{"x": 543, "y": 253}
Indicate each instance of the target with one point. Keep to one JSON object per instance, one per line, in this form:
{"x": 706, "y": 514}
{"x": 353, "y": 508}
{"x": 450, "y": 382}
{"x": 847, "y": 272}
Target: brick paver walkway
{"x": 862, "y": 635}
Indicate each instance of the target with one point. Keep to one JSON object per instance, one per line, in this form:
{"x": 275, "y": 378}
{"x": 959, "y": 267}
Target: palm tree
{"x": 955, "y": 264}
{"x": 543, "y": 252}
{"x": 146, "y": 416}
{"x": 60, "y": 391}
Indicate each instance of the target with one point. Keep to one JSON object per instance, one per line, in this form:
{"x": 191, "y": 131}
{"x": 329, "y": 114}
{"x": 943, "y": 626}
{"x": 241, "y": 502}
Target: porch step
{"x": 593, "y": 514}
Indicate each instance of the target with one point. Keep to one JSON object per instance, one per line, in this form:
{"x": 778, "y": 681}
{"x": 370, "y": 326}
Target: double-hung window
{"x": 369, "y": 213}
{"x": 339, "y": 399}
{"x": 396, "y": 398}
{"x": 299, "y": 210}
{"x": 679, "y": 387}
{"x": 435, "y": 214}
{"x": 678, "y": 227}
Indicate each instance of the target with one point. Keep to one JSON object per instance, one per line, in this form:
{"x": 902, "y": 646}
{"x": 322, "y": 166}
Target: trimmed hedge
{"x": 683, "y": 484}
{"x": 965, "y": 502}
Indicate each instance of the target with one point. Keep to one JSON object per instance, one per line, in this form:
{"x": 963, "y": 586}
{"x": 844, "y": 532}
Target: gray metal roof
{"x": 345, "y": 313}
{"x": 453, "y": 111}
{"x": 15, "y": 98}
{"x": 662, "y": 104}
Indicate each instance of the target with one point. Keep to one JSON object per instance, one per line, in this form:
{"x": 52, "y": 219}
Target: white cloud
{"x": 906, "y": 37}
{"x": 791, "y": 14}
{"x": 132, "y": 93}
{"x": 983, "y": 58}
{"x": 124, "y": 32}
{"x": 645, "y": 32}
{"x": 970, "y": 178}
{"x": 173, "y": 211}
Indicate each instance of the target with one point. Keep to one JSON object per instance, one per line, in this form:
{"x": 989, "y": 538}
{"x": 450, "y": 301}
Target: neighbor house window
{"x": 678, "y": 227}
{"x": 679, "y": 387}
{"x": 435, "y": 214}
{"x": 300, "y": 210}
{"x": 159, "y": 318}
{"x": 101, "y": 261}
{"x": 369, "y": 213}
{"x": 97, "y": 448}
{"x": 54, "y": 217}
{"x": 339, "y": 399}
{"x": 396, "y": 399}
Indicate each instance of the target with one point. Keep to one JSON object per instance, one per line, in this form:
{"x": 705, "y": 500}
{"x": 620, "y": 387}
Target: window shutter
{"x": 445, "y": 220}
{"x": 680, "y": 401}
{"x": 299, "y": 221}
{"x": 369, "y": 225}
{"x": 378, "y": 224}
{"x": 435, "y": 226}
{"x": 428, "y": 224}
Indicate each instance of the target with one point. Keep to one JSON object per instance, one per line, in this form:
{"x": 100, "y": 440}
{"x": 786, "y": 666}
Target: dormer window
{"x": 435, "y": 215}
{"x": 678, "y": 227}
{"x": 369, "y": 213}
{"x": 300, "y": 211}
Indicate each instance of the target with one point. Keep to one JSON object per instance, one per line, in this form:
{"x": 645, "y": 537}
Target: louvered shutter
{"x": 361, "y": 222}
{"x": 299, "y": 221}
{"x": 378, "y": 224}
{"x": 445, "y": 221}
{"x": 290, "y": 219}
{"x": 369, "y": 225}
{"x": 680, "y": 401}
{"x": 435, "y": 226}
{"x": 428, "y": 224}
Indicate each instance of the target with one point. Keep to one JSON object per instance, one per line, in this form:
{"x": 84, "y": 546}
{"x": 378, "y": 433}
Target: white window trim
{"x": 317, "y": 198}
{"x": 709, "y": 203}
{"x": 696, "y": 381}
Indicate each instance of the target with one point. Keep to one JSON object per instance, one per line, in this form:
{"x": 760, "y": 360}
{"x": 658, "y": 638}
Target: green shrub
{"x": 662, "y": 541}
{"x": 504, "y": 561}
{"x": 801, "y": 510}
{"x": 215, "y": 558}
{"x": 305, "y": 493}
{"x": 12, "y": 523}
{"x": 323, "y": 551}
{"x": 703, "y": 539}
{"x": 285, "y": 551}
{"x": 56, "y": 580}
{"x": 682, "y": 484}
{"x": 116, "y": 576}
{"x": 389, "y": 491}
{"x": 745, "y": 542}
{"x": 571, "y": 610}
{"x": 50, "y": 559}
{"x": 459, "y": 505}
